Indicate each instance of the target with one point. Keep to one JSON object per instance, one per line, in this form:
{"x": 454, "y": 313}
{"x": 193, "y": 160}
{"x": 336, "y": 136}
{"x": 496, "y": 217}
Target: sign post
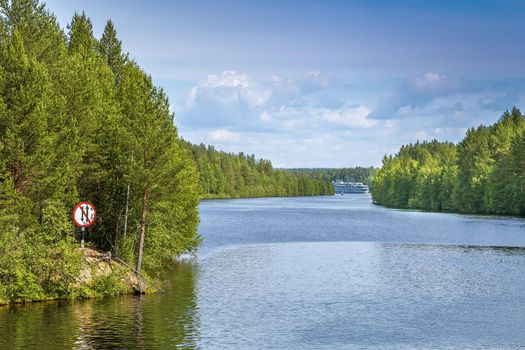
{"x": 84, "y": 215}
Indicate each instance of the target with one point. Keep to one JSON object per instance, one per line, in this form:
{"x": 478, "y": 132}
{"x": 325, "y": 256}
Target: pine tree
{"x": 516, "y": 181}
{"x": 26, "y": 95}
{"x": 39, "y": 29}
{"x": 110, "y": 48}
{"x": 158, "y": 164}
{"x": 34, "y": 178}
{"x": 503, "y": 134}
{"x": 80, "y": 36}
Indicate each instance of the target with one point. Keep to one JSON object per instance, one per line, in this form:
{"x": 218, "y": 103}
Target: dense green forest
{"x": 80, "y": 120}
{"x": 484, "y": 173}
{"x": 357, "y": 174}
{"x": 227, "y": 175}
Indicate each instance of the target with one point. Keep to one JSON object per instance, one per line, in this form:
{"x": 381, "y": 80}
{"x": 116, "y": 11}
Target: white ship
{"x": 343, "y": 187}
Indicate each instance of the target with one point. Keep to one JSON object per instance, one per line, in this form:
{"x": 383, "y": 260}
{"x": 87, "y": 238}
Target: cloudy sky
{"x": 323, "y": 83}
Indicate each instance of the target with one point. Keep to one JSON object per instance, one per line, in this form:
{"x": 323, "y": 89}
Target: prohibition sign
{"x": 84, "y": 214}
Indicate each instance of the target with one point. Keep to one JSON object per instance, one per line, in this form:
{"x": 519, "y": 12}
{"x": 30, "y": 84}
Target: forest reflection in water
{"x": 165, "y": 320}
{"x": 310, "y": 273}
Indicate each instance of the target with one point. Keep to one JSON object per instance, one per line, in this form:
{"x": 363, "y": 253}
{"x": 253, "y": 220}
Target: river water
{"x": 332, "y": 272}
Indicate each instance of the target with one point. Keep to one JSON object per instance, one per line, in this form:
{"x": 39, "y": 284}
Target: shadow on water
{"x": 153, "y": 321}
{"x": 458, "y": 248}
{"x": 507, "y": 250}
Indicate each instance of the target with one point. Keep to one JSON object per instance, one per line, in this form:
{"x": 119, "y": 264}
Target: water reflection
{"x": 161, "y": 321}
{"x": 311, "y": 273}
{"x": 37, "y": 326}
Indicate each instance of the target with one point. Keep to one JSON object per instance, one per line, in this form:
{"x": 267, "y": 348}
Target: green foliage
{"x": 80, "y": 121}
{"x": 43, "y": 38}
{"x": 109, "y": 285}
{"x": 80, "y": 35}
{"x": 357, "y": 174}
{"x": 110, "y": 48}
{"x": 484, "y": 173}
{"x": 228, "y": 175}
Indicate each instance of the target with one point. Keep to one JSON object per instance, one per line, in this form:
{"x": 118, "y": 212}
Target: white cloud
{"x": 229, "y": 88}
{"x": 352, "y": 117}
{"x": 333, "y": 148}
{"x": 315, "y": 80}
{"x": 311, "y": 120}
{"x": 234, "y": 100}
{"x": 228, "y": 78}
{"x": 432, "y": 83}
{"x": 418, "y": 91}
{"x": 309, "y": 117}
{"x": 224, "y": 135}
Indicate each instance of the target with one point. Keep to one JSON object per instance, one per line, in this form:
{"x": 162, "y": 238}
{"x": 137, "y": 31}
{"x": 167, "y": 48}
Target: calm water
{"x": 311, "y": 273}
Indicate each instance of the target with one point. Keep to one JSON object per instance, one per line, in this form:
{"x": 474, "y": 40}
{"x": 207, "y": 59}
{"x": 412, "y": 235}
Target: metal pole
{"x": 82, "y": 240}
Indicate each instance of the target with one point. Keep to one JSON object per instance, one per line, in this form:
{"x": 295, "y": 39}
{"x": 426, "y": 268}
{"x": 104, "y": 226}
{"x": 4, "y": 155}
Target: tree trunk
{"x": 142, "y": 230}
{"x": 126, "y": 215}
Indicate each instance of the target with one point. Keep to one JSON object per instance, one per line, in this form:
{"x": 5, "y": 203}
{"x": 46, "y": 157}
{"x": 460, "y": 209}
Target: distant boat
{"x": 343, "y": 187}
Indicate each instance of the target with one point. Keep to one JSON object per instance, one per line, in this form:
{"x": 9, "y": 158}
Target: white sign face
{"x": 84, "y": 214}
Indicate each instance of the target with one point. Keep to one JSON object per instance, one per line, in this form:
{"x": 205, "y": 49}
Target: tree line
{"x": 229, "y": 175}
{"x": 356, "y": 174}
{"x": 81, "y": 120}
{"x": 484, "y": 173}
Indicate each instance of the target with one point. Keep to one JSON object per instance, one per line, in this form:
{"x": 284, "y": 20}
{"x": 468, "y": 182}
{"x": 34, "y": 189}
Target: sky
{"x": 323, "y": 83}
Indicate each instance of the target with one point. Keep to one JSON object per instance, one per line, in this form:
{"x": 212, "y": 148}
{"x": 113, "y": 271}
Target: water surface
{"x": 311, "y": 273}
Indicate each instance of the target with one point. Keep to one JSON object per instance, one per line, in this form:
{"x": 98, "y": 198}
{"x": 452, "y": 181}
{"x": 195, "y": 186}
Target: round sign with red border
{"x": 84, "y": 214}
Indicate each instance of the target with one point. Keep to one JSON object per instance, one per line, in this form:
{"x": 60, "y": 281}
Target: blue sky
{"x": 323, "y": 83}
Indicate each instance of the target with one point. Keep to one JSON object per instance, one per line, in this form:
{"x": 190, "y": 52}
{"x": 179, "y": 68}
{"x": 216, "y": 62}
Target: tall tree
{"x": 39, "y": 29}
{"x": 35, "y": 179}
{"x": 157, "y": 160}
{"x": 110, "y": 48}
{"x": 80, "y": 36}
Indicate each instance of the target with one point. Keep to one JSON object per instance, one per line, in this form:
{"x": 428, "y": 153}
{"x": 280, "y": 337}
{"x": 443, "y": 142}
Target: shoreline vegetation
{"x": 482, "y": 174}
{"x": 80, "y": 120}
{"x": 98, "y": 275}
{"x": 224, "y": 175}
{"x": 364, "y": 175}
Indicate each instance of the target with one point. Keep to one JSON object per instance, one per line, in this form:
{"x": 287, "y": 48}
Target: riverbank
{"x": 482, "y": 174}
{"x": 310, "y": 272}
{"x": 100, "y": 275}
{"x": 450, "y": 211}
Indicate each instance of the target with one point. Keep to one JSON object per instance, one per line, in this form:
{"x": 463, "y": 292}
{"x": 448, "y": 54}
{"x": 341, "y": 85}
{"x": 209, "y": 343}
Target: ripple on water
{"x": 311, "y": 273}
{"x": 331, "y": 295}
